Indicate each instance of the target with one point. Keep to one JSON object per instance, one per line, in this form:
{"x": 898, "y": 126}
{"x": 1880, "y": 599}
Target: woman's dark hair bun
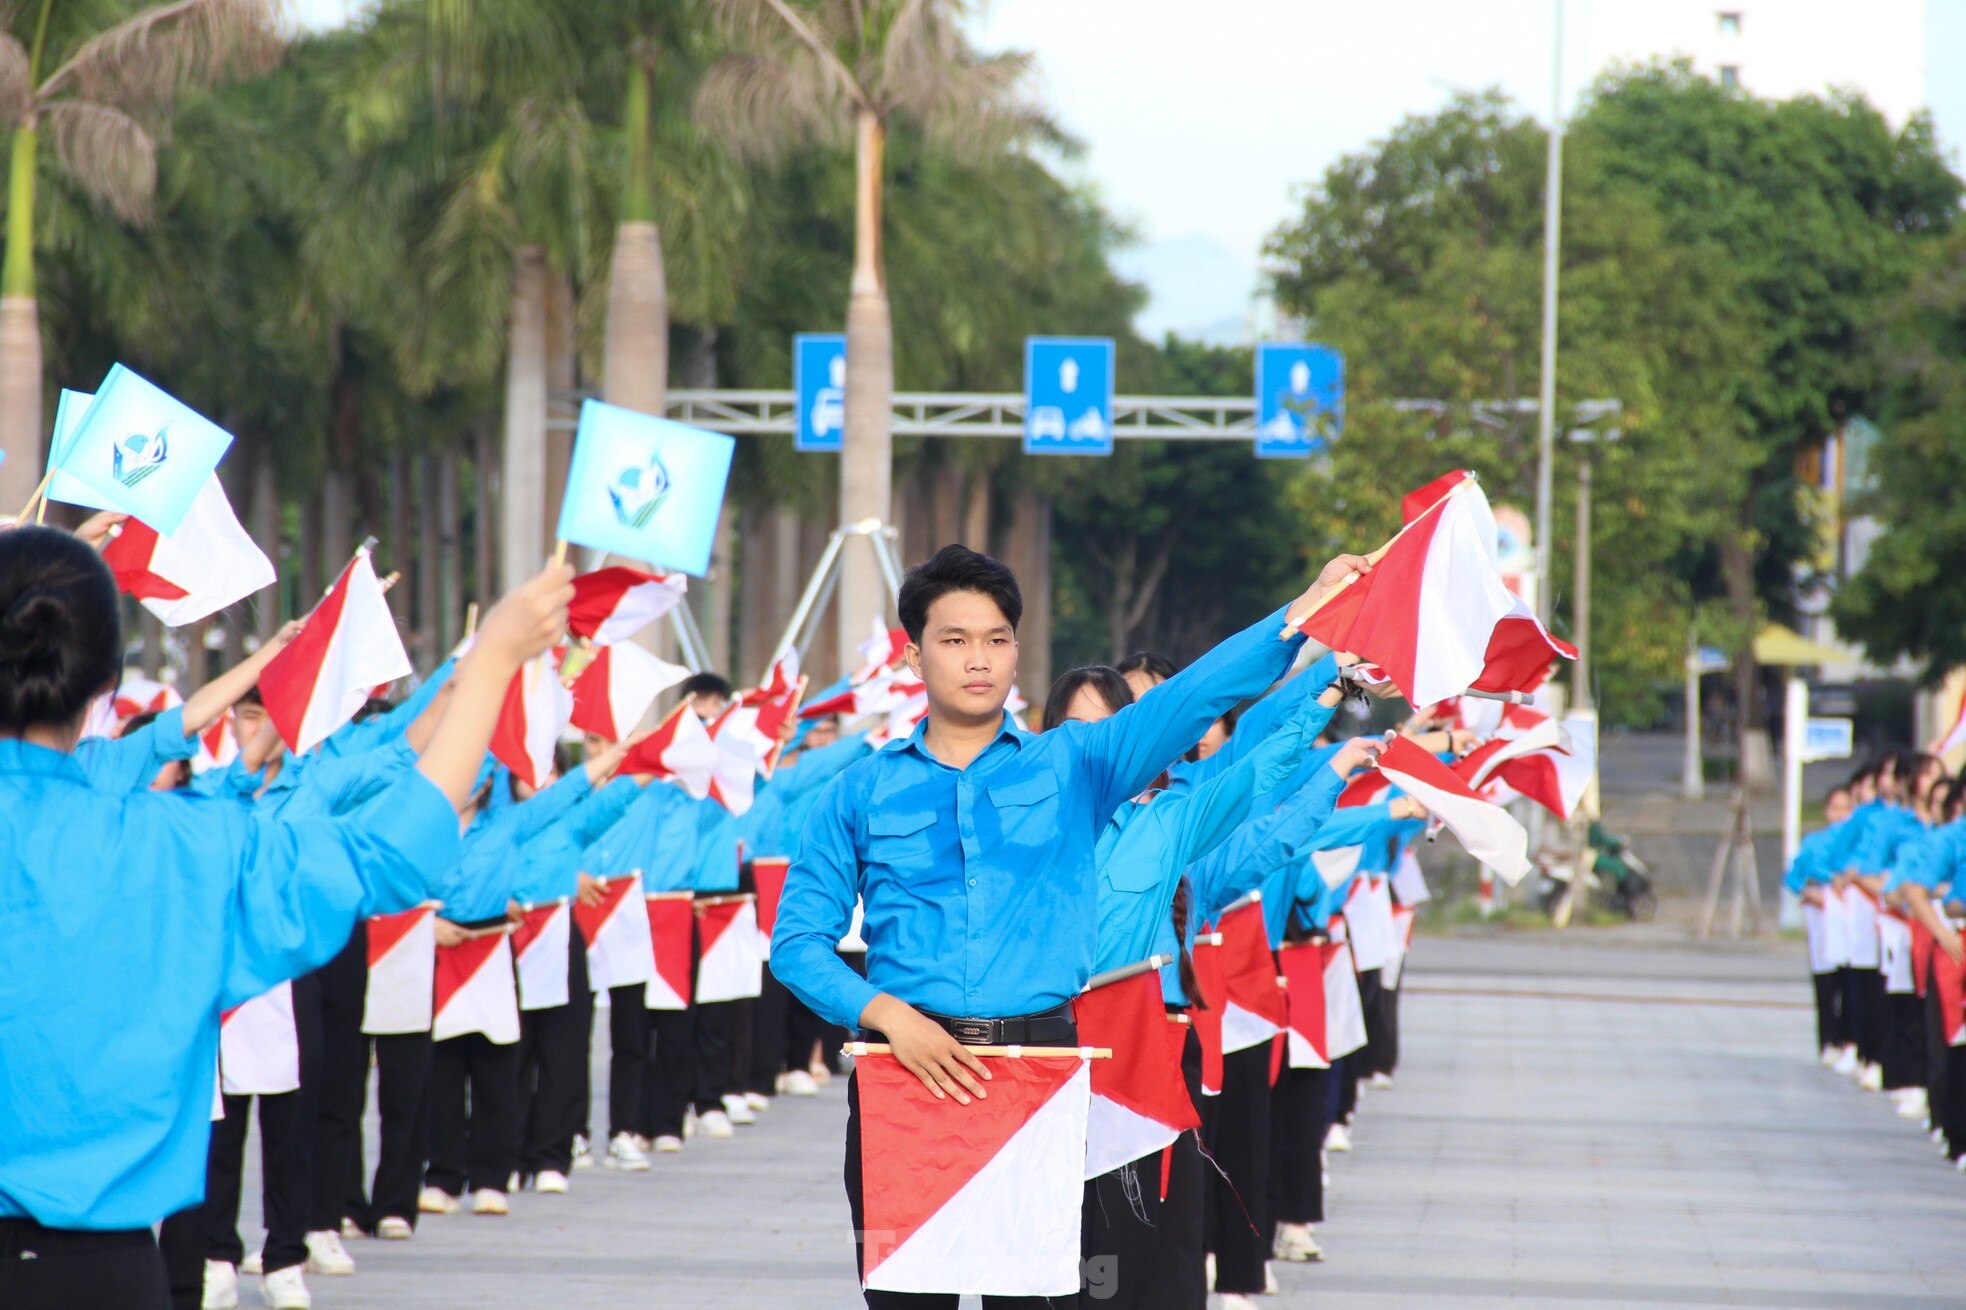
{"x": 60, "y": 629}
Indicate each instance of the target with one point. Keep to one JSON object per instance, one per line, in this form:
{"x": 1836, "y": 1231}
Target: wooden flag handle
{"x": 39, "y": 497}
{"x": 857, "y": 1049}
{"x": 559, "y": 552}
{"x": 471, "y": 619}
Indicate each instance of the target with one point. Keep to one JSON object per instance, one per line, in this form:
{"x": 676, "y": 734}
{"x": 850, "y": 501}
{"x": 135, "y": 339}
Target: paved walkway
{"x": 1603, "y": 1121}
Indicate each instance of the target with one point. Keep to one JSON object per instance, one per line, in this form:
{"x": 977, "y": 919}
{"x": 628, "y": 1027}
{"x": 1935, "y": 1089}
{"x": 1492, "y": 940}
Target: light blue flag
{"x": 63, "y": 487}
{"x": 645, "y": 487}
{"x": 144, "y": 451}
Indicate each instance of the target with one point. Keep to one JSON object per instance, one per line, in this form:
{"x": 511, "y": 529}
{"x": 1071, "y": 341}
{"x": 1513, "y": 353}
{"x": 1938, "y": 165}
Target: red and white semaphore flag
{"x": 1489, "y": 832}
{"x": 402, "y": 971}
{"x": 735, "y": 765}
{"x": 612, "y": 605}
{"x": 768, "y": 875}
{"x": 981, "y": 1198}
{"x": 1521, "y": 731}
{"x": 1556, "y": 777}
{"x": 258, "y": 1046}
{"x": 1428, "y": 610}
{"x": 617, "y": 935}
{"x": 208, "y": 563}
{"x": 1140, "y": 1102}
{"x": 1327, "y": 1019}
{"x": 672, "y": 928}
{"x": 536, "y": 711}
{"x": 348, "y": 645}
{"x": 679, "y": 748}
{"x": 541, "y": 948}
{"x": 217, "y": 747}
{"x": 729, "y": 965}
{"x": 475, "y": 990}
{"x": 1521, "y": 653}
{"x": 617, "y": 687}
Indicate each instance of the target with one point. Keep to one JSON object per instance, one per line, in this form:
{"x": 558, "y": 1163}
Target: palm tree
{"x": 834, "y": 71}
{"x": 115, "y": 75}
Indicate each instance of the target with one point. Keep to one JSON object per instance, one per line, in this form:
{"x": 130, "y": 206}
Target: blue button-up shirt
{"x": 129, "y": 922}
{"x": 655, "y": 838}
{"x": 128, "y": 763}
{"x": 979, "y": 885}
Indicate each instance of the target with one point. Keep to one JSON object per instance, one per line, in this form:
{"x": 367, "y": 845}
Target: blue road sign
{"x": 1300, "y": 399}
{"x": 819, "y": 381}
{"x": 1068, "y": 396}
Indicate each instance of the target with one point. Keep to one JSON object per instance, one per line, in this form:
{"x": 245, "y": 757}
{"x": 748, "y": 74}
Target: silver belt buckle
{"x": 972, "y": 1032}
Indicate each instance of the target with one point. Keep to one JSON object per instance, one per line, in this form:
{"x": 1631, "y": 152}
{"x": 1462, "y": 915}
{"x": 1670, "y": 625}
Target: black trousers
{"x": 553, "y": 1055}
{"x": 830, "y": 1036}
{"x": 907, "y": 1300}
{"x": 1376, "y": 1003}
{"x": 474, "y": 1114}
{"x": 769, "y": 1050}
{"x": 58, "y": 1269}
{"x": 1388, "y": 1029}
{"x": 1138, "y": 1249}
{"x": 402, "y": 1095}
{"x": 1298, "y": 1105}
{"x": 344, "y": 1088}
{"x": 1903, "y": 1045}
{"x": 181, "y": 1241}
{"x": 1829, "y": 1010}
{"x": 286, "y": 1154}
{"x": 1237, "y": 1124}
{"x": 631, "y": 1025}
{"x": 712, "y": 1033}
{"x": 1863, "y": 1010}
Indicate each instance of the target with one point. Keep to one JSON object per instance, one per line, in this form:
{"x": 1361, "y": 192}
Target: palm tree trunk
{"x": 562, "y": 377}
{"x": 866, "y": 458}
{"x": 450, "y": 599}
{"x": 635, "y": 354}
{"x": 20, "y": 337}
{"x": 1028, "y": 551}
{"x": 522, "y": 548}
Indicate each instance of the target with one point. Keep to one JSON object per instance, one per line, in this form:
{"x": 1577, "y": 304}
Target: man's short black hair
{"x": 1150, "y": 662}
{"x": 957, "y": 568}
{"x": 705, "y": 684}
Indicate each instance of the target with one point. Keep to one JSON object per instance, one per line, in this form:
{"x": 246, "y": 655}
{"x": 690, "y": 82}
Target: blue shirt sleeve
{"x": 121, "y": 765}
{"x": 355, "y": 738}
{"x": 1260, "y": 847}
{"x": 815, "y": 911}
{"x": 1259, "y": 721}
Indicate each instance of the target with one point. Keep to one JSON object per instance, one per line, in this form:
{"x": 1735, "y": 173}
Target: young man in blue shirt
{"x": 971, "y": 841}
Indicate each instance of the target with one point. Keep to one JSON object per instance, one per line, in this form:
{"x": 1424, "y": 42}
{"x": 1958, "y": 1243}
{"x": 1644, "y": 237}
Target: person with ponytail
{"x": 133, "y": 919}
{"x": 1150, "y": 1235}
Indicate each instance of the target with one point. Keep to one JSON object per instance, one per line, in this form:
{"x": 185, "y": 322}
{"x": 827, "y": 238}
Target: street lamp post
{"x": 1546, "y": 409}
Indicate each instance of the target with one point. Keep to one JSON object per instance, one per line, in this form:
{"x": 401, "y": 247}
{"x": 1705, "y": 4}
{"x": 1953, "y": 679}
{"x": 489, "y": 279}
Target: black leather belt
{"x": 1054, "y": 1027}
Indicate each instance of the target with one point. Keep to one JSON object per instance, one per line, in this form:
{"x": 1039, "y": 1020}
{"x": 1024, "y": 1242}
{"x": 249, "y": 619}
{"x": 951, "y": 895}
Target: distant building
{"x": 1771, "y": 48}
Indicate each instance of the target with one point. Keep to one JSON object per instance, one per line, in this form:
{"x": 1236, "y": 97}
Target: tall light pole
{"x": 1546, "y": 408}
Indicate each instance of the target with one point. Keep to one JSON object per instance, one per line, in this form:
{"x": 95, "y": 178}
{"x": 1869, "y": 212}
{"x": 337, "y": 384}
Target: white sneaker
{"x": 641, "y": 1144}
{"x": 624, "y": 1155}
{"x": 435, "y": 1200}
{"x": 351, "y": 1231}
{"x": 1208, "y": 1271}
{"x": 285, "y": 1289}
{"x": 221, "y": 1286}
{"x": 1871, "y": 1079}
{"x": 819, "y": 1073}
{"x": 1296, "y": 1242}
{"x": 551, "y": 1182}
{"x": 1234, "y": 1301}
{"x": 1338, "y": 1138}
{"x": 738, "y": 1111}
{"x": 1379, "y": 1082}
{"x": 489, "y": 1200}
{"x": 326, "y": 1255}
{"x": 1270, "y": 1286}
{"x": 583, "y": 1153}
{"x": 1829, "y": 1056}
{"x": 393, "y": 1229}
{"x": 253, "y": 1265}
{"x": 515, "y": 1182}
{"x": 1846, "y": 1061}
{"x": 1913, "y": 1104}
{"x": 1960, "y": 1164}
{"x": 668, "y": 1144}
{"x": 758, "y": 1101}
{"x": 798, "y": 1083}
{"x": 715, "y": 1124}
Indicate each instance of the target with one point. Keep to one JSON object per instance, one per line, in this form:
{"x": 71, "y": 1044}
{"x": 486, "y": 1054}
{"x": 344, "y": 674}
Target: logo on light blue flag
{"x": 644, "y": 487}
{"x": 134, "y": 448}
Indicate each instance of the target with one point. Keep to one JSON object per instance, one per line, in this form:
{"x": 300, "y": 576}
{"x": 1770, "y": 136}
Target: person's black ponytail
{"x": 61, "y": 633}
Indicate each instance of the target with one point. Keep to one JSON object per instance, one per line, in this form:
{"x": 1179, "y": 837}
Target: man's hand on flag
{"x": 1358, "y": 753}
{"x": 1331, "y": 577}
{"x": 925, "y": 1049}
{"x": 592, "y": 891}
{"x": 97, "y": 528}
{"x": 529, "y": 619}
{"x": 602, "y": 764}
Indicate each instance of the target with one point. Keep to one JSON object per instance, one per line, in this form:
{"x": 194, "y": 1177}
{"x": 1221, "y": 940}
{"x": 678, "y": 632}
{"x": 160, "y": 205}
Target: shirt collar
{"x": 17, "y": 756}
{"x": 917, "y": 742}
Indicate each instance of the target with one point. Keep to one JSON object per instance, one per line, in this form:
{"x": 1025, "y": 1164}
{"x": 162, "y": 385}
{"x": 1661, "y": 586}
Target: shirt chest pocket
{"x": 900, "y": 839}
{"x": 1027, "y": 809}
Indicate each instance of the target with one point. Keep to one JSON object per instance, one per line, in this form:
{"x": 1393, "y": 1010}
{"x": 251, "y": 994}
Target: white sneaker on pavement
{"x": 1270, "y": 1285}
{"x": 1338, "y": 1138}
{"x": 758, "y": 1101}
{"x": 489, "y": 1200}
{"x": 1872, "y": 1078}
{"x": 394, "y": 1229}
{"x": 738, "y": 1111}
{"x": 326, "y": 1255}
{"x": 1379, "y": 1082}
{"x": 799, "y": 1083}
{"x": 715, "y": 1124}
{"x": 1295, "y": 1242}
{"x": 435, "y": 1200}
{"x": 1829, "y": 1056}
{"x": 253, "y": 1265}
{"x": 1234, "y": 1301}
{"x": 583, "y": 1153}
{"x": 515, "y": 1182}
{"x": 351, "y": 1231}
{"x": 221, "y": 1286}
{"x": 1913, "y": 1104}
{"x": 668, "y": 1144}
{"x": 285, "y": 1289}
{"x": 550, "y": 1182}
{"x": 625, "y": 1155}
{"x": 1846, "y": 1061}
